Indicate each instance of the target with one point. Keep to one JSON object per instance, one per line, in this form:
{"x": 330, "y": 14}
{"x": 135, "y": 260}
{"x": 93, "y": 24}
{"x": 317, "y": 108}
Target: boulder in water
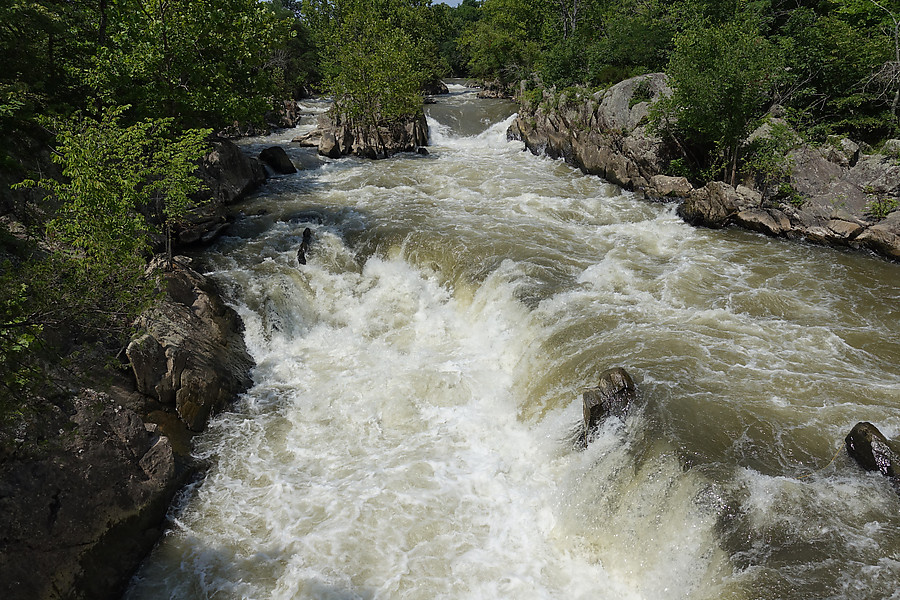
{"x": 872, "y": 451}
{"x": 277, "y": 160}
{"x": 613, "y": 396}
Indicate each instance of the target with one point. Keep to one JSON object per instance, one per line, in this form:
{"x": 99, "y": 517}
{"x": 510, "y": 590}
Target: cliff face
{"x": 842, "y": 196}
{"x": 382, "y": 141}
{"x": 604, "y": 133}
{"x": 84, "y": 497}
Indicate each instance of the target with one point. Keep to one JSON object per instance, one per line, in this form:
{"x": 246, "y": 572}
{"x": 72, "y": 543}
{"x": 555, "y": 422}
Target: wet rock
{"x": 228, "y": 175}
{"x": 435, "y": 87}
{"x": 304, "y": 246}
{"x": 204, "y": 363}
{"x": 277, "y": 159}
{"x": 613, "y": 397}
{"x": 664, "y": 186}
{"x": 873, "y": 452}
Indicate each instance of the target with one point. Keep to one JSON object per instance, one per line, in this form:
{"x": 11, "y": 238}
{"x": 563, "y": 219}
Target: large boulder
{"x": 613, "y": 396}
{"x": 79, "y": 517}
{"x": 873, "y": 452}
{"x": 337, "y": 139}
{"x": 228, "y": 175}
{"x": 192, "y": 354}
{"x": 277, "y": 159}
{"x": 604, "y": 133}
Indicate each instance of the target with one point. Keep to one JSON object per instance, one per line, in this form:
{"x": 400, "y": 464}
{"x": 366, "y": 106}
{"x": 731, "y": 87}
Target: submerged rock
{"x": 613, "y": 397}
{"x": 873, "y": 452}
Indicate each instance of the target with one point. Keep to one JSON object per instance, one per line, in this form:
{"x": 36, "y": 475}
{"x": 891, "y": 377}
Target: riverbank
{"x": 87, "y": 474}
{"x": 840, "y": 194}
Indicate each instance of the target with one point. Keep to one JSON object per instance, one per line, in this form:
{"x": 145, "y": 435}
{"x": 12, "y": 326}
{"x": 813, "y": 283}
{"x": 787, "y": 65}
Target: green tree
{"x": 207, "y": 64}
{"x": 372, "y": 61}
{"x": 505, "y": 43}
{"x": 88, "y": 277}
{"x": 721, "y": 77}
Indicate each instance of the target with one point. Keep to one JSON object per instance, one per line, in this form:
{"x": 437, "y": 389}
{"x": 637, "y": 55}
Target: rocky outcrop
{"x": 495, "y": 89}
{"x": 435, "y": 88}
{"x": 839, "y": 196}
{"x": 383, "y": 141}
{"x": 613, "y": 396}
{"x": 873, "y": 452}
{"x": 228, "y": 175}
{"x": 79, "y": 517}
{"x": 604, "y": 133}
{"x": 192, "y": 355}
{"x": 277, "y": 159}
{"x": 834, "y": 205}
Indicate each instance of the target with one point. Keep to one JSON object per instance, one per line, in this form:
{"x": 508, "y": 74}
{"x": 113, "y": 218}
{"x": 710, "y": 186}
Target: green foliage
{"x": 92, "y": 280}
{"x": 110, "y": 173}
{"x": 880, "y": 208}
{"x": 720, "y": 77}
{"x": 200, "y": 63}
{"x": 504, "y": 44}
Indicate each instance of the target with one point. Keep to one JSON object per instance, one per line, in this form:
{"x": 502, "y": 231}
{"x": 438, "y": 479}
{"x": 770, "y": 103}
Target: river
{"x": 410, "y": 432}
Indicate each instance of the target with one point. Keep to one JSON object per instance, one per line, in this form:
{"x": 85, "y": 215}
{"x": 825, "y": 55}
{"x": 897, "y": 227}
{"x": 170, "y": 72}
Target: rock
{"x": 891, "y": 148}
{"x": 613, "y": 396}
{"x": 278, "y": 160}
{"x": 382, "y": 141}
{"x": 435, "y": 88}
{"x": 309, "y": 140}
{"x": 663, "y": 186}
{"x": 328, "y": 145}
{"x": 78, "y": 522}
{"x": 304, "y": 246}
{"x": 873, "y": 452}
{"x": 882, "y": 238}
{"x": 228, "y": 173}
{"x": 604, "y": 134}
{"x": 204, "y": 363}
{"x": 494, "y": 89}
{"x": 714, "y": 205}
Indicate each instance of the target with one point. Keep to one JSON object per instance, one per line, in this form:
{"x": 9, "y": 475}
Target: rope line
{"x": 841, "y": 447}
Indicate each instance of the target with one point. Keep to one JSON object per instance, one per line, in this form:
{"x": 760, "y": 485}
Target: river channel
{"x": 410, "y": 432}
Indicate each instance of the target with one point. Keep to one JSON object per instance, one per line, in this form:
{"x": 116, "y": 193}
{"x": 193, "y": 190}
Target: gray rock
{"x": 277, "y": 159}
{"x": 873, "y": 452}
{"x": 664, "y": 186}
{"x": 383, "y": 141}
{"x": 603, "y": 134}
{"x": 613, "y": 397}
{"x": 204, "y": 363}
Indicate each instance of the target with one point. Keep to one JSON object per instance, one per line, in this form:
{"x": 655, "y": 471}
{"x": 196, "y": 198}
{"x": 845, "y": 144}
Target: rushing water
{"x": 418, "y": 389}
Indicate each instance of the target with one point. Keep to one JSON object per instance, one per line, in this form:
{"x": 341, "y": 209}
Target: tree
{"x": 89, "y": 276}
{"x": 885, "y": 78}
{"x": 720, "y": 77}
{"x": 372, "y": 62}
{"x": 505, "y": 43}
{"x": 207, "y": 64}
